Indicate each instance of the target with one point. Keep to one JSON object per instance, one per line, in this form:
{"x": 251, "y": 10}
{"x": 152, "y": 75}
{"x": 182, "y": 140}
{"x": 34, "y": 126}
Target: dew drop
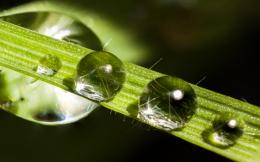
{"x": 100, "y": 75}
{"x": 43, "y": 103}
{"x": 65, "y": 108}
{"x": 167, "y": 103}
{"x": 48, "y": 65}
{"x": 224, "y": 132}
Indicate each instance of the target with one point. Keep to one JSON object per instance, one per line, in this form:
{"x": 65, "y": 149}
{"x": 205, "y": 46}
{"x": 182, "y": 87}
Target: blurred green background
{"x": 219, "y": 40}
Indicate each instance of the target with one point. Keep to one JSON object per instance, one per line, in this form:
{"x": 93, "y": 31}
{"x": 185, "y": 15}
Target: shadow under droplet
{"x": 69, "y": 83}
{"x": 133, "y": 109}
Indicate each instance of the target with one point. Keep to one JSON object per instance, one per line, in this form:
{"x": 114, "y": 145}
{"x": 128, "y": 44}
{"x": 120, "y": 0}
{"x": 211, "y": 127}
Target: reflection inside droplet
{"x": 49, "y": 116}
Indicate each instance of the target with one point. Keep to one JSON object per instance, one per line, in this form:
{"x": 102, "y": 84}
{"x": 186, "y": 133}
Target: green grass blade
{"x": 21, "y": 50}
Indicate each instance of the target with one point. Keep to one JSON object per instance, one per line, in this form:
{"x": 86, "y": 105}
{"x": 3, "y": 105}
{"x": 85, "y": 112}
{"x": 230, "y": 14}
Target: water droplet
{"x": 58, "y": 26}
{"x": 224, "y": 132}
{"x": 100, "y": 75}
{"x": 48, "y": 65}
{"x": 65, "y": 107}
{"x": 167, "y": 103}
{"x": 57, "y": 107}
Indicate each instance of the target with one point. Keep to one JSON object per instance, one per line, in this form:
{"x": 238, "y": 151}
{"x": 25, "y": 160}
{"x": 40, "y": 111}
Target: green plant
{"x": 21, "y": 50}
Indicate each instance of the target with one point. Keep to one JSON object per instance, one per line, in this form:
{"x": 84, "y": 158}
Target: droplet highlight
{"x": 48, "y": 65}
{"x": 100, "y": 75}
{"x": 167, "y": 103}
{"x": 224, "y": 132}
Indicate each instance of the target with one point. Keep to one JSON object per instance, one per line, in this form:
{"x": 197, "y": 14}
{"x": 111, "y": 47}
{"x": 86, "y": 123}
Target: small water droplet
{"x": 224, "y": 132}
{"x": 100, "y": 75}
{"x": 167, "y": 103}
{"x": 48, "y": 65}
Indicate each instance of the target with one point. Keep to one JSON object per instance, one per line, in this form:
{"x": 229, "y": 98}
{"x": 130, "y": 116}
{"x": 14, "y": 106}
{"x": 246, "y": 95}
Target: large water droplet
{"x": 58, "y": 26}
{"x": 48, "y": 65}
{"x": 167, "y": 103}
{"x": 224, "y": 132}
{"x": 100, "y": 75}
{"x": 43, "y": 103}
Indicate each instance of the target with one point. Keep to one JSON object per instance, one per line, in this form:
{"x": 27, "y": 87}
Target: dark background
{"x": 217, "y": 39}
